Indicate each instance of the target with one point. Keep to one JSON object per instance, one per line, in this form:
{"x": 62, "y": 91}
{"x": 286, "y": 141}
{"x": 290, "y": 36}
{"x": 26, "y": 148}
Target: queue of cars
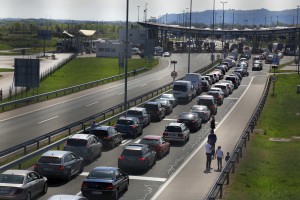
{"x": 111, "y": 181}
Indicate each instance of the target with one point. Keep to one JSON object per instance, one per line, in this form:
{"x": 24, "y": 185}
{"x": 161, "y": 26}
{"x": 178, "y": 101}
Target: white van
{"x": 196, "y": 80}
{"x": 183, "y": 90}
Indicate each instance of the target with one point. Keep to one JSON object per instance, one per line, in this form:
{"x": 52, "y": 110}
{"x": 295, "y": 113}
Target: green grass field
{"x": 6, "y": 70}
{"x": 5, "y": 47}
{"x": 270, "y": 170}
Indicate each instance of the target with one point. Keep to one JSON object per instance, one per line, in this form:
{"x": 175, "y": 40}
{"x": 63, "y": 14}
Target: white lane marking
{"x": 243, "y": 85}
{"x": 121, "y": 93}
{"x": 134, "y": 80}
{"x": 167, "y": 119}
{"x": 196, "y": 151}
{"x": 144, "y": 178}
{"x": 124, "y": 143}
{"x": 78, "y": 194}
{"x": 232, "y": 98}
{"x": 92, "y": 104}
{"x": 143, "y": 85}
{"x": 47, "y": 120}
{"x": 138, "y": 141}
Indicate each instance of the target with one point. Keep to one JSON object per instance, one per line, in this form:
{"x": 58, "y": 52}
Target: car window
{"x": 132, "y": 153}
{"x": 173, "y": 129}
{"x": 11, "y": 178}
{"x": 99, "y": 133}
{"x": 50, "y": 159}
{"x": 204, "y": 101}
{"x": 181, "y": 88}
{"x": 125, "y": 122}
{"x": 96, "y": 174}
{"x": 151, "y": 106}
{"x": 134, "y": 112}
{"x": 149, "y": 141}
{"x": 72, "y": 157}
{"x": 76, "y": 142}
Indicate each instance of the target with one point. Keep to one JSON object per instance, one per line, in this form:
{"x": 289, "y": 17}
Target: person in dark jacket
{"x": 212, "y": 123}
{"x": 213, "y": 139}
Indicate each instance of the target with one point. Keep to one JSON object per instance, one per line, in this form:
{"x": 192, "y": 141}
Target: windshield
{"x": 99, "y": 133}
{"x": 107, "y": 175}
{"x": 153, "y": 142}
{"x": 205, "y": 101}
{"x": 125, "y": 122}
{"x": 173, "y": 129}
{"x": 151, "y": 106}
{"x": 76, "y": 142}
{"x": 48, "y": 159}
{"x": 181, "y": 88}
{"x": 132, "y": 153}
{"x": 11, "y": 178}
{"x": 134, "y": 112}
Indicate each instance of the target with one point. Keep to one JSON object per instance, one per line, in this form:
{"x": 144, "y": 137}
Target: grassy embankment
{"x": 270, "y": 170}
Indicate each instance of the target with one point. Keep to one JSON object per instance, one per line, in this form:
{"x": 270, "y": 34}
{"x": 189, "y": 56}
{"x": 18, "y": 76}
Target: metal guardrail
{"x": 64, "y": 91}
{"x": 103, "y": 116}
{"x": 217, "y": 190}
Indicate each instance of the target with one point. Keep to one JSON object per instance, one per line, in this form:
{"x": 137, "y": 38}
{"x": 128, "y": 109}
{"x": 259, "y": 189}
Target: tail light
{"x": 142, "y": 159}
{"x": 107, "y": 138}
{"x": 84, "y": 185}
{"x": 212, "y": 106}
{"x": 60, "y": 167}
{"x": 115, "y": 125}
{"x": 165, "y": 134}
{"x": 180, "y": 135}
{"x": 18, "y": 191}
{"x": 194, "y": 121}
{"x": 133, "y": 126}
{"x": 121, "y": 157}
{"x": 36, "y": 166}
{"x": 109, "y": 187}
{"x": 219, "y": 97}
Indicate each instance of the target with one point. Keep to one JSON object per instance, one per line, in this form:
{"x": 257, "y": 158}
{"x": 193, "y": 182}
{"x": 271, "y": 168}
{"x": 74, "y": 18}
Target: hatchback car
{"x": 230, "y": 84}
{"x": 166, "y": 104}
{"x": 129, "y": 126}
{"x": 177, "y": 132}
{"x": 104, "y": 182}
{"x": 59, "y": 164}
{"x": 155, "y": 110}
{"x": 202, "y": 111}
{"x": 87, "y": 146}
{"x": 21, "y": 184}
{"x": 209, "y": 101}
{"x": 224, "y": 87}
{"x": 171, "y": 98}
{"x": 192, "y": 120}
{"x": 234, "y": 81}
{"x": 219, "y": 96}
{"x": 108, "y": 135}
{"x": 205, "y": 86}
{"x": 239, "y": 78}
{"x": 66, "y": 197}
{"x": 242, "y": 70}
{"x": 210, "y": 81}
{"x": 139, "y": 113}
{"x": 137, "y": 156}
{"x": 158, "y": 143}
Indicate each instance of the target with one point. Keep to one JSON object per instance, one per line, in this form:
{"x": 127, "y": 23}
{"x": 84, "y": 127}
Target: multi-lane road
{"x": 26, "y": 123}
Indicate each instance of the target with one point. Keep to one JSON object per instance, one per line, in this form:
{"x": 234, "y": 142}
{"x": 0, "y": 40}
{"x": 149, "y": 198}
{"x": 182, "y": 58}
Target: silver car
{"x": 59, "y": 164}
{"x": 21, "y": 184}
{"x": 87, "y": 146}
{"x": 66, "y": 197}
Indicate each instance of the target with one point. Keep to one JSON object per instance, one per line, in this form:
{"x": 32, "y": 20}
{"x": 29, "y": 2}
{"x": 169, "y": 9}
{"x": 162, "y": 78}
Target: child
{"x": 227, "y": 157}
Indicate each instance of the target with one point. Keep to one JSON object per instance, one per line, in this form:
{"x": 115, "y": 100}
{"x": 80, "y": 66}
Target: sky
{"x": 115, "y": 10}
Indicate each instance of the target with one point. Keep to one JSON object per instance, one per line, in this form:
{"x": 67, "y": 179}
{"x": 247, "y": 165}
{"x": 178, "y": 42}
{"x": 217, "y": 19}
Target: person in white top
{"x": 220, "y": 156}
{"x": 208, "y": 151}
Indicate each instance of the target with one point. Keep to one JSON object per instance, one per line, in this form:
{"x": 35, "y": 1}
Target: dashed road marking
{"x": 167, "y": 119}
{"x": 232, "y": 98}
{"x": 92, "y": 104}
{"x": 124, "y": 142}
{"x": 47, "y": 120}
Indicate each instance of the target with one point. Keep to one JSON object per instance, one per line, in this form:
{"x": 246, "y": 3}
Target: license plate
{"x": 96, "y": 192}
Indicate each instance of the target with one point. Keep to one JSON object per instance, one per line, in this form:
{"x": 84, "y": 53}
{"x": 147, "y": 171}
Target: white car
{"x": 166, "y": 54}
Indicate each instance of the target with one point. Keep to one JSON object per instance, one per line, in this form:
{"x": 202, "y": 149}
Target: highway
{"x": 144, "y": 185}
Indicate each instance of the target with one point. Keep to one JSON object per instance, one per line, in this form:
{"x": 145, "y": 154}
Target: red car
{"x": 158, "y": 143}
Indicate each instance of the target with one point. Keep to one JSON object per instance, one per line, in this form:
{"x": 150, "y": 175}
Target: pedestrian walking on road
{"x": 227, "y": 157}
{"x": 213, "y": 139}
{"x": 208, "y": 151}
{"x": 220, "y": 156}
{"x": 212, "y": 123}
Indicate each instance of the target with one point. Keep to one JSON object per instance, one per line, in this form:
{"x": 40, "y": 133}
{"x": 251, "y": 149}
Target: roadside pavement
{"x": 191, "y": 181}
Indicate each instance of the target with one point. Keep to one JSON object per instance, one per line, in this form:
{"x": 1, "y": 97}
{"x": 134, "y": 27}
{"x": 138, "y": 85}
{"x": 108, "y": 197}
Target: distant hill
{"x": 242, "y": 17}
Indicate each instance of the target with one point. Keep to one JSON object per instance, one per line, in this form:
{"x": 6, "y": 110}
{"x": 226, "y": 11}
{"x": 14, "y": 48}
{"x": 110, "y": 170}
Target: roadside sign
{"x": 274, "y": 78}
{"x": 174, "y": 74}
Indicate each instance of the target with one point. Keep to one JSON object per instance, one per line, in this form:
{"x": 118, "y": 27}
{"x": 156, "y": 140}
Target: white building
{"x": 112, "y": 49}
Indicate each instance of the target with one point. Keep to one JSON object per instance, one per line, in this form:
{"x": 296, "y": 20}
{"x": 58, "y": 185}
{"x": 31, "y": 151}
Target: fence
{"x": 24, "y": 150}
{"x": 223, "y": 179}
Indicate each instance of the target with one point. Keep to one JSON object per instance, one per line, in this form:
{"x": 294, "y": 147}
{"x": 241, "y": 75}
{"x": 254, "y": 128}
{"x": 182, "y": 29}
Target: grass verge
{"x": 270, "y": 170}
{"x": 6, "y": 70}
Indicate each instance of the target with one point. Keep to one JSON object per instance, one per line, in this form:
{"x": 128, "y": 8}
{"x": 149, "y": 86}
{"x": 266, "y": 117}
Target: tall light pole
{"x": 277, "y": 20}
{"x": 233, "y": 18}
{"x": 213, "y": 34}
{"x": 297, "y": 15}
{"x": 183, "y": 11}
{"x": 271, "y": 22}
{"x": 189, "y": 55}
{"x": 138, "y": 13}
{"x": 223, "y": 2}
{"x": 126, "y": 58}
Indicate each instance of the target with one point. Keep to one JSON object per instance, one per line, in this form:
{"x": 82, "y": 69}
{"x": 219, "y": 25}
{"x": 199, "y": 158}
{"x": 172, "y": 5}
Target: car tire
{"x": 81, "y": 168}
{"x": 116, "y": 194}
{"x": 45, "y": 188}
{"x": 113, "y": 144}
{"x": 154, "y": 162}
{"x": 126, "y": 187}
{"x": 68, "y": 176}
{"x": 160, "y": 154}
{"x": 28, "y": 197}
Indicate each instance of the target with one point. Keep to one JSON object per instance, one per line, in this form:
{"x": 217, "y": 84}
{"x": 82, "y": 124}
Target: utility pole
{"x": 223, "y": 2}
{"x": 213, "y": 35}
{"x": 189, "y": 55}
{"x": 138, "y": 13}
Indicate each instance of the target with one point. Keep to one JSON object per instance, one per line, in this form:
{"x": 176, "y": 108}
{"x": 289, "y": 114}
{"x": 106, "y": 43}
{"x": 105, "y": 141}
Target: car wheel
{"x": 45, "y": 188}
{"x": 81, "y": 168}
{"x": 134, "y": 134}
{"x": 113, "y": 144}
{"x": 154, "y": 162}
{"x": 116, "y": 194}
{"x": 126, "y": 187}
{"x": 161, "y": 154}
{"x": 68, "y": 176}
{"x": 28, "y": 197}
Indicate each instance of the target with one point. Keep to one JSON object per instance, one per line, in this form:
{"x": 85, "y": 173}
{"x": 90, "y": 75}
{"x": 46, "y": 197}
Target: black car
{"x": 104, "y": 181}
{"x": 130, "y": 126}
{"x": 166, "y": 104}
{"x": 137, "y": 156}
{"x": 192, "y": 120}
{"x": 242, "y": 70}
{"x": 210, "y": 102}
{"x": 108, "y": 135}
{"x": 155, "y": 110}
{"x": 219, "y": 96}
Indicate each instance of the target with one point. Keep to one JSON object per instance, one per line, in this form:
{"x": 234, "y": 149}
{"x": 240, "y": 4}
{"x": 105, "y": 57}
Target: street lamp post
{"x": 126, "y": 58}
{"x": 138, "y": 13}
{"x": 189, "y": 55}
{"x": 223, "y": 2}
{"x": 297, "y": 15}
{"x": 174, "y": 73}
{"x": 233, "y": 18}
{"x": 213, "y": 34}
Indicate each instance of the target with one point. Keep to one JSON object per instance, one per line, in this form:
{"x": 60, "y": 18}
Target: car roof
{"x": 175, "y": 124}
{"x": 80, "y": 136}
{"x": 128, "y": 118}
{"x": 198, "y": 107}
{"x": 135, "y": 146}
{"x": 105, "y": 168}
{"x": 64, "y": 197}
{"x": 103, "y": 128}
{"x": 205, "y": 96}
{"x": 152, "y": 137}
{"x": 137, "y": 108}
{"x": 152, "y": 102}
{"x": 16, "y": 172}
{"x": 56, "y": 153}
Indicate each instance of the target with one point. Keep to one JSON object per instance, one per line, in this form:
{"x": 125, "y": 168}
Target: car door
{"x": 120, "y": 180}
{"x": 76, "y": 164}
{"x": 32, "y": 184}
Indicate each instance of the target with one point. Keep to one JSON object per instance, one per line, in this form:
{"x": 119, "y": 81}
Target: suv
{"x": 225, "y": 88}
{"x": 86, "y": 146}
{"x": 156, "y": 110}
{"x": 141, "y": 114}
{"x": 108, "y": 135}
{"x": 234, "y": 81}
{"x": 209, "y": 101}
{"x": 129, "y": 125}
{"x": 139, "y": 156}
{"x": 177, "y": 132}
